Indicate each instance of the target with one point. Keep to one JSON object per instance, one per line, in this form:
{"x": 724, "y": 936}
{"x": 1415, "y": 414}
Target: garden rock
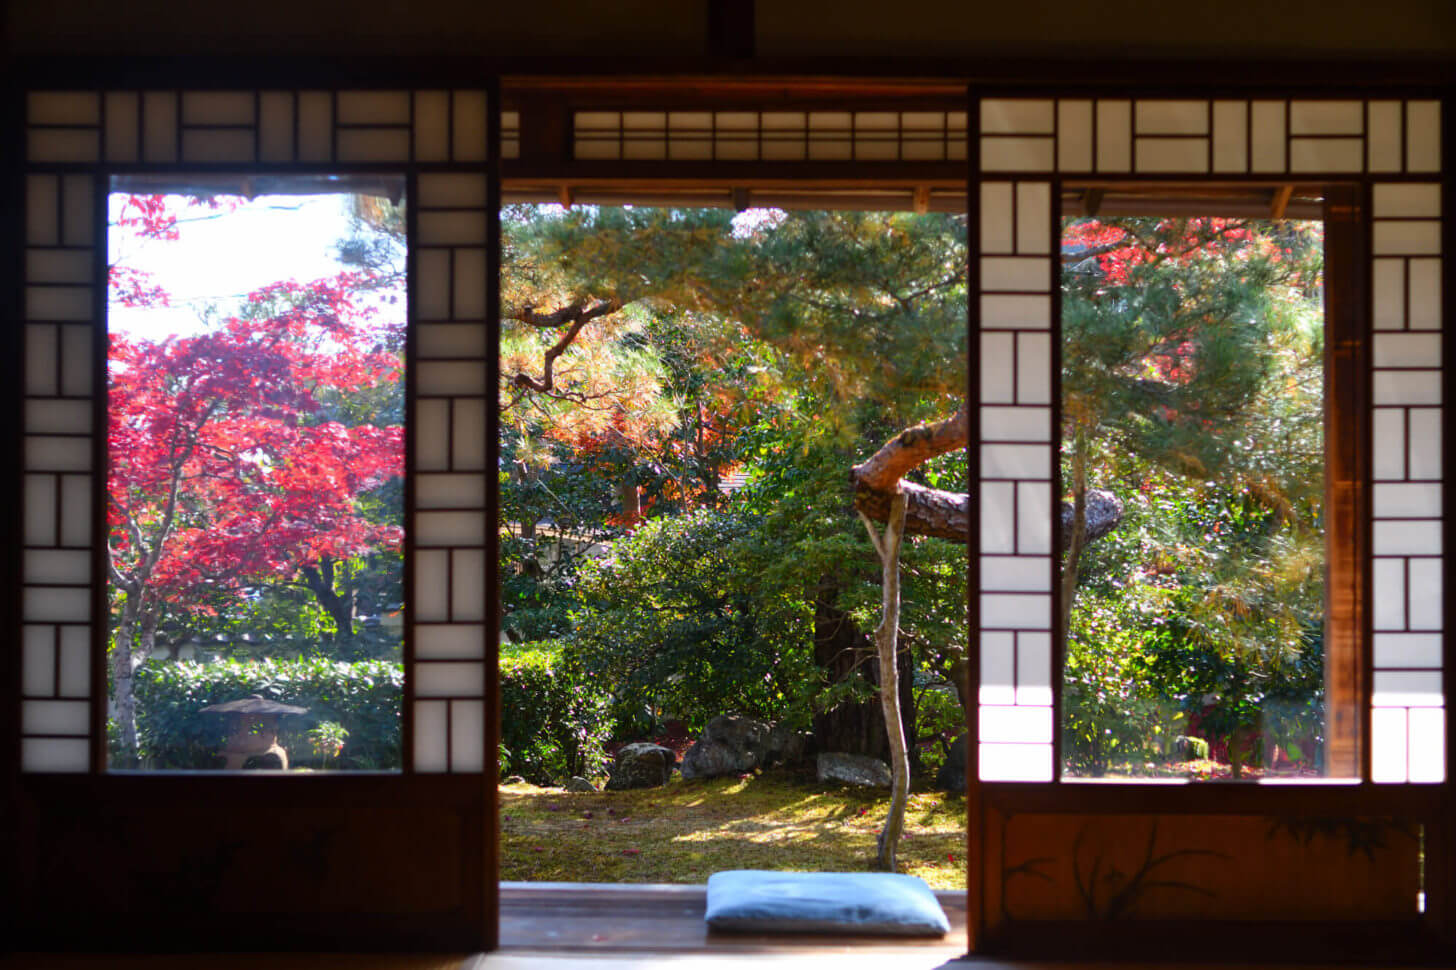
{"x": 580, "y": 784}
{"x": 854, "y": 769}
{"x": 730, "y": 745}
{"x": 787, "y": 746}
{"x": 952, "y": 774}
{"x": 641, "y": 765}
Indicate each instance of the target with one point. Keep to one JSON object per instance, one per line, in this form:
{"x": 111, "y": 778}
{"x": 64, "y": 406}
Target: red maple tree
{"x": 228, "y": 466}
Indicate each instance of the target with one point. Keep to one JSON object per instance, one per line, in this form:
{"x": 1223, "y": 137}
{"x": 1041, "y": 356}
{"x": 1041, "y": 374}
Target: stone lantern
{"x": 253, "y": 731}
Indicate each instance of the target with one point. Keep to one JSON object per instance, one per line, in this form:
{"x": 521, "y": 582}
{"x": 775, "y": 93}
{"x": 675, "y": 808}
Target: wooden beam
{"x": 1092, "y": 201}
{"x": 1280, "y": 202}
{"x": 922, "y": 199}
{"x": 564, "y": 193}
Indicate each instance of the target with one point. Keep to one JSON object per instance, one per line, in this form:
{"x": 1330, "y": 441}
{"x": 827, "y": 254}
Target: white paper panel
{"x": 1172, "y": 155}
{"x": 467, "y": 736}
{"x": 275, "y": 127}
{"x": 68, "y": 755}
{"x": 1418, "y": 238}
{"x": 56, "y": 604}
{"x": 40, "y": 510}
{"x": 1326, "y": 154}
{"x": 58, "y": 302}
{"x": 76, "y": 510}
{"x": 1230, "y": 136}
{"x": 1016, "y": 762}
{"x": 1326, "y": 118}
{"x": 1398, "y": 501}
{"x": 467, "y": 584}
{"x": 452, "y": 642}
{"x": 1033, "y": 217}
{"x": 998, "y": 524}
{"x": 449, "y": 491}
{"x": 449, "y": 679}
{"x": 1015, "y": 461}
{"x": 1407, "y": 688}
{"x": 997, "y": 235}
{"x": 1387, "y": 745}
{"x": 1016, "y": 724}
{"x": 57, "y": 266}
{"x": 446, "y": 190}
{"x": 469, "y": 144}
{"x": 450, "y": 340}
{"x": 655, "y": 148}
{"x": 63, "y": 108}
{"x": 38, "y": 660}
{"x": 1383, "y": 144}
{"x": 1388, "y": 583}
{"x": 1391, "y": 200}
{"x": 1114, "y": 136}
{"x": 432, "y": 435}
{"x": 1423, "y": 136}
{"x": 1389, "y": 285}
{"x": 1425, "y": 443}
{"x": 1016, "y": 574}
{"x": 1013, "y": 154}
{"x": 75, "y": 661}
{"x": 1426, "y": 601}
{"x": 1427, "y": 744}
{"x": 1074, "y": 136}
{"x": 1407, "y": 538}
{"x": 57, "y": 566}
{"x": 470, "y": 284}
{"x": 63, "y": 145}
{"x": 1407, "y": 649}
{"x": 431, "y": 600}
{"x": 998, "y": 668}
{"x": 217, "y": 108}
{"x": 1034, "y": 669}
{"x": 373, "y": 107}
{"x": 217, "y": 145}
{"x": 449, "y": 227}
{"x": 1407, "y": 350}
{"x": 159, "y": 126}
{"x": 42, "y": 219}
{"x": 449, "y": 528}
{"x": 1015, "y": 611}
{"x": 55, "y": 453}
{"x": 1034, "y": 519}
{"x": 1033, "y": 368}
{"x": 432, "y": 294}
{"x": 40, "y": 360}
{"x": 1172, "y": 117}
{"x": 468, "y": 435}
{"x": 123, "y": 135}
{"x": 78, "y": 226}
{"x": 430, "y": 736}
{"x": 1017, "y": 116}
{"x": 1016, "y": 424}
{"x": 372, "y": 144}
{"x": 1407, "y": 387}
{"x": 1424, "y": 277}
{"x": 1267, "y": 150}
{"x": 315, "y": 126}
{"x": 432, "y": 126}
{"x": 451, "y": 377}
{"x": 997, "y": 377}
{"x": 1023, "y": 273}
{"x": 60, "y": 415}
{"x": 1007, "y": 312}
{"x": 54, "y": 717}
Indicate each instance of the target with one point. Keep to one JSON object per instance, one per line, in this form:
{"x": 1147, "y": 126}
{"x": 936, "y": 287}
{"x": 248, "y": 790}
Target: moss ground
{"x": 687, "y": 830}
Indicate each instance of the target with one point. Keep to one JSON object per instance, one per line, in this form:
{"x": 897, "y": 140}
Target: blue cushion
{"x": 748, "y": 900}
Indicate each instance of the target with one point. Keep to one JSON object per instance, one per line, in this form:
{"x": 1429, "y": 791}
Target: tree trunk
{"x": 123, "y": 691}
{"x": 842, "y": 650}
{"x": 887, "y": 636}
{"x": 340, "y": 607}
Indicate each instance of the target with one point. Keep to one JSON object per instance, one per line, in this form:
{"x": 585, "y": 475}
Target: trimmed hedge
{"x": 364, "y": 696}
{"x": 554, "y": 723}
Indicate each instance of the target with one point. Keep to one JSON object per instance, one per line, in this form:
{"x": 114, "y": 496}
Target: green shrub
{"x": 363, "y": 698}
{"x": 554, "y": 722}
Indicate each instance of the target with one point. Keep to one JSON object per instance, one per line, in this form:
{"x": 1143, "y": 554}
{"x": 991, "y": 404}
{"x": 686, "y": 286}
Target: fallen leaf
{"x": 631, "y": 852}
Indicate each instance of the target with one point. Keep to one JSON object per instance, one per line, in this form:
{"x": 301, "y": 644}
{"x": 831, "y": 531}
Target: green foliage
{"x": 554, "y": 720}
{"x": 362, "y": 700}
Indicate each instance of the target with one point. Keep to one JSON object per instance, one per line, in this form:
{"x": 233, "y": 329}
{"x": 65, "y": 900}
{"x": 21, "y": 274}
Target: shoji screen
{"x": 439, "y": 139}
{"x": 1391, "y": 148}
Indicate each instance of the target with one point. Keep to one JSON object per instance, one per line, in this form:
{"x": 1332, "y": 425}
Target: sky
{"x": 220, "y": 256}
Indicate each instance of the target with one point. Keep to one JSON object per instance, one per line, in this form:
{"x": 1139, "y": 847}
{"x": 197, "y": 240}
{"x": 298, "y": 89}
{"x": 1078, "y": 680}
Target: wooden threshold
{"x": 600, "y": 917}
